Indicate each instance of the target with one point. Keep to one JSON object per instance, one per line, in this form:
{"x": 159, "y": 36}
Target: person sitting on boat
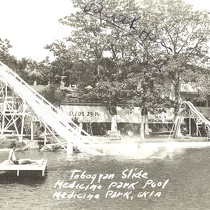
{"x": 17, "y": 161}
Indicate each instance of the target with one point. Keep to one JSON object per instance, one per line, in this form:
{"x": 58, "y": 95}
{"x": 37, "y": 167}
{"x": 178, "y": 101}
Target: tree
{"x": 128, "y": 51}
{"x": 97, "y": 33}
{"x": 53, "y": 94}
{"x": 186, "y": 33}
{"x": 4, "y": 49}
{"x": 5, "y": 55}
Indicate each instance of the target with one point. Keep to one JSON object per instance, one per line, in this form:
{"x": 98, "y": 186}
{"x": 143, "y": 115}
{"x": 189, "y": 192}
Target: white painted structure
{"x": 24, "y": 101}
{"x": 7, "y": 166}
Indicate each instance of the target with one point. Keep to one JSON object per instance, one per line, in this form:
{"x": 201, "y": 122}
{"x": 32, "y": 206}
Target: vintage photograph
{"x": 105, "y": 104}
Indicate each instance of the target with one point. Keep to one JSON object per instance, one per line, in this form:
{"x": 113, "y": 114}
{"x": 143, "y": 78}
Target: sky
{"x": 29, "y": 25}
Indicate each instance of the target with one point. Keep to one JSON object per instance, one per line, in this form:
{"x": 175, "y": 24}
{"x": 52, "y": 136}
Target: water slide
{"x": 197, "y": 113}
{"x": 194, "y": 111}
{"x": 48, "y": 114}
{"x": 177, "y": 123}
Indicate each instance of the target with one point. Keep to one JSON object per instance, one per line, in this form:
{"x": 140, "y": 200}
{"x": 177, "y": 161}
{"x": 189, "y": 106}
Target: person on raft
{"x": 18, "y": 161}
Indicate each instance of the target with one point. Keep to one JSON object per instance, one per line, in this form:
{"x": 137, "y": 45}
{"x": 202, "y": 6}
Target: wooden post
{"x": 114, "y": 122}
{"x": 196, "y": 124}
{"x": 32, "y": 130}
{"x": 142, "y": 127}
{"x": 3, "y": 118}
{"x": 69, "y": 147}
{"x": 190, "y": 124}
{"x": 45, "y": 135}
{"x": 3, "y": 122}
{"x": 23, "y": 120}
{"x": 144, "y": 114}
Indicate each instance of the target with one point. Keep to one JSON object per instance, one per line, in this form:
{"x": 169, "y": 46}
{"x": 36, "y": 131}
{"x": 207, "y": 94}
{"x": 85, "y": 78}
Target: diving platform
{"x": 41, "y": 165}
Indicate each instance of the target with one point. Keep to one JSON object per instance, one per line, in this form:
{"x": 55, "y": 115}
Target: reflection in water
{"x": 188, "y": 172}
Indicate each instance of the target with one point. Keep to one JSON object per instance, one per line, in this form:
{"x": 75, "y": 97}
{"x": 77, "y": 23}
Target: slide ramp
{"x": 51, "y": 116}
{"x": 197, "y": 113}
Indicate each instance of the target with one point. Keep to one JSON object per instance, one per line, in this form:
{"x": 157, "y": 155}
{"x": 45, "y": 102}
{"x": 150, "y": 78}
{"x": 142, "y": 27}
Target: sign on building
{"x": 124, "y": 115}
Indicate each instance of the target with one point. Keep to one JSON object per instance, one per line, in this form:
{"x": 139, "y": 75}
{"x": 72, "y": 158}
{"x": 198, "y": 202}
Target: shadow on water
{"x": 26, "y": 177}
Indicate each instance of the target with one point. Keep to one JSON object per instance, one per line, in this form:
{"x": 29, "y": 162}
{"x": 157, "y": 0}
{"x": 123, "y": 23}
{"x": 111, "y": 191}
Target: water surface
{"x": 188, "y": 187}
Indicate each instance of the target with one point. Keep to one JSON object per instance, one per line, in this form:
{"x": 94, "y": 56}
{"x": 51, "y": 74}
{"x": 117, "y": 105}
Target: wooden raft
{"x": 6, "y": 166}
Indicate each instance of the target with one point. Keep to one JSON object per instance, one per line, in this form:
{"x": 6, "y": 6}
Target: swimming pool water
{"x": 188, "y": 185}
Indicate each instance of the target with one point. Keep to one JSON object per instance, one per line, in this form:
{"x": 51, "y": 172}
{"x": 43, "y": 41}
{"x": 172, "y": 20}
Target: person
{"x": 18, "y": 161}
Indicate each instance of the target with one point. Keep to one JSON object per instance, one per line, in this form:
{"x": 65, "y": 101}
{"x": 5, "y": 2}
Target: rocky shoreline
{"x": 8, "y": 143}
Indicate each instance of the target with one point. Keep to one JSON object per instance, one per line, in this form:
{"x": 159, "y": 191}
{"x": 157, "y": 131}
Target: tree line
{"x": 132, "y": 53}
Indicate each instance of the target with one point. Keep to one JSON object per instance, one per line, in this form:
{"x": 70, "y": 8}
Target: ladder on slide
{"x": 49, "y": 115}
{"x": 199, "y": 114}
{"x": 200, "y": 117}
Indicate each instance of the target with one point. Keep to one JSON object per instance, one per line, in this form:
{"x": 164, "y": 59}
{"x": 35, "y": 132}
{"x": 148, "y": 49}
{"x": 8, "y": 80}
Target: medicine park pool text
{"x": 133, "y": 183}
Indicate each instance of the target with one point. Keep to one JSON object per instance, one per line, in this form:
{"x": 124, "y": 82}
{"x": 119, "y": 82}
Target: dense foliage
{"x": 126, "y": 53}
